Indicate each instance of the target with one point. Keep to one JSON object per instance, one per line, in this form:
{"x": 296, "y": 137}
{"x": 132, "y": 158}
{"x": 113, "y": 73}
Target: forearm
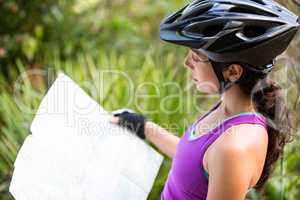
{"x": 161, "y": 138}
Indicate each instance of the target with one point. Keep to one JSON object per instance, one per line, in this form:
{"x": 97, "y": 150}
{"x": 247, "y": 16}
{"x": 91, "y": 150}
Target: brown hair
{"x": 267, "y": 96}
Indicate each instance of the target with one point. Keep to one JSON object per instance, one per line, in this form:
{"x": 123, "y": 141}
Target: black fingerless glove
{"x": 132, "y": 121}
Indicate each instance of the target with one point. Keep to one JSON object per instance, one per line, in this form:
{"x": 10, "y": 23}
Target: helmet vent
{"x": 196, "y": 11}
{"x": 203, "y": 29}
{"x": 251, "y": 31}
{"x": 244, "y": 10}
{"x": 259, "y": 2}
{"x": 212, "y": 30}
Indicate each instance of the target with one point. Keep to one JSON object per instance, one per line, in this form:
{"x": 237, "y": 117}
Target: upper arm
{"x": 231, "y": 167}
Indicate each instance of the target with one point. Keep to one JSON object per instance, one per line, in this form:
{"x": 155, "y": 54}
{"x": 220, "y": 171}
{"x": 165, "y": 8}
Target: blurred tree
{"x": 21, "y": 31}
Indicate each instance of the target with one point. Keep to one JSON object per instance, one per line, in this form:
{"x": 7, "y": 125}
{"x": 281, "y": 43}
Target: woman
{"x": 234, "y": 146}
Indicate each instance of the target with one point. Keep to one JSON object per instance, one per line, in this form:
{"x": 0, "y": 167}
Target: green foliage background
{"x": 84, "y": 37}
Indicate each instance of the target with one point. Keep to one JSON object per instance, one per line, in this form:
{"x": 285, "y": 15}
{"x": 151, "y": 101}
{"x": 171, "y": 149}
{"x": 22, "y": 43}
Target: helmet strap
{"x": 248, "y": 74}
{"x": 218, "y": 69}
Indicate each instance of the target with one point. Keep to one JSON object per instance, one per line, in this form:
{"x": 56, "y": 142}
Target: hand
{"x": 131, "y": 120}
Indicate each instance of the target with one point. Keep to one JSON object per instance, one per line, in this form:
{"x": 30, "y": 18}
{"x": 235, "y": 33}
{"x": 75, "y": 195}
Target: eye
{"x": 195, "y": 58}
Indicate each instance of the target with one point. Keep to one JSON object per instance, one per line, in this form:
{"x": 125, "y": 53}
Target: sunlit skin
{"x": 235, "y": 160}
{"x": 202, "y": 72}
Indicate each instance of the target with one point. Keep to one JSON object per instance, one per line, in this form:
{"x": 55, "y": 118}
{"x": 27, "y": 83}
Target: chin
{"x": 207, "y": 89}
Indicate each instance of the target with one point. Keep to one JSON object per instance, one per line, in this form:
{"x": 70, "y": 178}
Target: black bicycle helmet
{"x": 251, "y": 32}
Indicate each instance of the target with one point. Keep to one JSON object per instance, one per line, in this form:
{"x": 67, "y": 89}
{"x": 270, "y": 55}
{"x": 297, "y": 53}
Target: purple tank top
{"x": 187, "y": 178}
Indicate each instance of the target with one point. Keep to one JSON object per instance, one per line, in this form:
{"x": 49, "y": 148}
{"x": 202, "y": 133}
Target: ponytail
{"x": 268, "y": 99}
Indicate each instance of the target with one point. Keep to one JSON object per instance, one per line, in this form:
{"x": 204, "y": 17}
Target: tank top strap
{"x": 242, "y": 118}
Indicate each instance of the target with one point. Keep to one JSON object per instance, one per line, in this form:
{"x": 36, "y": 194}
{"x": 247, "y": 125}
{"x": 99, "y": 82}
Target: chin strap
{"x": 225, "y": 84}
{"x": 218, "y": 69}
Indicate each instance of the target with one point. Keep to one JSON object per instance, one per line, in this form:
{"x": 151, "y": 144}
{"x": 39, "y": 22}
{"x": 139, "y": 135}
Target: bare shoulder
{"x": 239, "y": 140}
{"x": 243, "y": 136}
{"x": 236, "y": 159}
{"x": 240, "y": 147}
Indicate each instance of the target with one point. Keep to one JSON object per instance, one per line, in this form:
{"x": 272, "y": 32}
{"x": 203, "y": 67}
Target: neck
{"x": 234, "y": 101}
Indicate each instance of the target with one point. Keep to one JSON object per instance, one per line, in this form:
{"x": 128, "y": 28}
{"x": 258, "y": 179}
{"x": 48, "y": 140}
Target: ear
{"x": 233, "y": 72}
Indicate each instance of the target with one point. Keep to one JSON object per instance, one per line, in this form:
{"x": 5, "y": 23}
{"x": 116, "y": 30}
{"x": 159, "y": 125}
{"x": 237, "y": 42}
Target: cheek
{"x": 207, "y": 80}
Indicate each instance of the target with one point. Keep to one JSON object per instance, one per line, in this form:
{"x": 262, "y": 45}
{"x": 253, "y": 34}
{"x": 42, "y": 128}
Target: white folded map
{"x": 75, "y": 153}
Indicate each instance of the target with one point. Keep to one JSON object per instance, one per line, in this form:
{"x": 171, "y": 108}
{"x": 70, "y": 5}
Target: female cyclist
{"x": 234, "y": 146}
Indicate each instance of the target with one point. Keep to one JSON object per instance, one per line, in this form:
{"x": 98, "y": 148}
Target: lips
{"x": 194, "y": 79}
